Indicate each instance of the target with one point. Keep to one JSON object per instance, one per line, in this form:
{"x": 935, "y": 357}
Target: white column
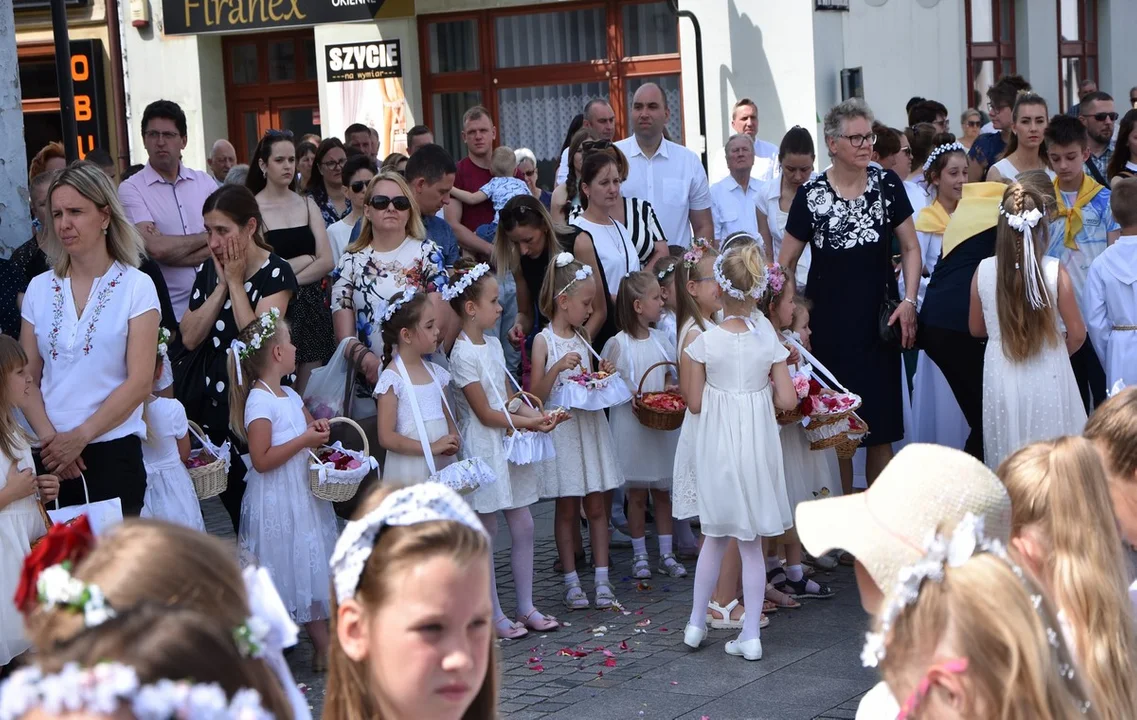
{"x": 1117, "y": 53}
{"x": 15, "y": 221}
{"x": 1036, "y": 47}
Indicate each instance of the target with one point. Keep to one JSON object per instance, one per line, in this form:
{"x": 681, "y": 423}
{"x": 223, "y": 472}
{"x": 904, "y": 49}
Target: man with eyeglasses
{"x": 599, "y": 116}
{"x": 164, "y": 201}
{"x": 221, "y": 160}
{"x": 1097, "y": 114}
{"x": 430, "y": 173}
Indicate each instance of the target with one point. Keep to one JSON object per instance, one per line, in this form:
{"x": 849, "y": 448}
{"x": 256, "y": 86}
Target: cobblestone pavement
{"x": 632, "y": 663}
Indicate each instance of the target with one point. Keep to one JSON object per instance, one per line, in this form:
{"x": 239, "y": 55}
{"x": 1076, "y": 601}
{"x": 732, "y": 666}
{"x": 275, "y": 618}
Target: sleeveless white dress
{"x": 684, "y": 493}
{"x": 412, "y": 469}
{"x": 169, "y": 489}
{"x": 1024, "y": 402}
{"x": 20, "y": 526}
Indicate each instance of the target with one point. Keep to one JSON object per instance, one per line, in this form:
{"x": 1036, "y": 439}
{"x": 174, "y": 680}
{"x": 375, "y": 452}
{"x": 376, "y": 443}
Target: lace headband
{"x": 756, "y": 291}
{"x": 164, "y": 336}
{"x": 585, "y": 271}
{"x": 107, "y": 687}
{"x": 1024, "y": 223}
{"x": 243, "y": 351}
{"x": 390, "y": 308}
{"x": 426, "y": 502}
{"x": 692, "y": 257}
{"x": 940, "y": 150}
{"x": 464, "y": 281}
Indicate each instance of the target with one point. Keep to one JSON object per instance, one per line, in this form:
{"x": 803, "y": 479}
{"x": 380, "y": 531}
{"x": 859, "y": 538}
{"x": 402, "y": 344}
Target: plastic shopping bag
{"x": 324, "y": 396}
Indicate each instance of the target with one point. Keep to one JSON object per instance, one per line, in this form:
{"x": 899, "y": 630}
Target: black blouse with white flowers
{"x": 828, "y": 221}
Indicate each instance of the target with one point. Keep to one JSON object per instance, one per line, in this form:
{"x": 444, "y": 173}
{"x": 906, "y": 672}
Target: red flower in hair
{"x": 67, "y": 541}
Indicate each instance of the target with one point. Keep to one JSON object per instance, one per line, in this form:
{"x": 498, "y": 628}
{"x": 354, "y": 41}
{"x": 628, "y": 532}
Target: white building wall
{"x": 1036, "y": 47}
{"x": 1117, "y": 53}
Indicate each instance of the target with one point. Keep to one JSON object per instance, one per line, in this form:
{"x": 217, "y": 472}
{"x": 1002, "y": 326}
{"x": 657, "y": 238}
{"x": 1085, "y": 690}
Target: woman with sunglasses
{"x": 325, "y": 184}
{"x": 295, "y": 230}
{"x": 972, "y": 122}
{"x": 357, "y": 174}
{"x": 527, "y": 166}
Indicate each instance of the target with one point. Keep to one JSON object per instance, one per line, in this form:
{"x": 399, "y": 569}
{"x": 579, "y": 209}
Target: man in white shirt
{"x": 744, "y": 119}
{"x": 666, "y": 174}
{"x": 599, "y": 116}
{"x": 734, "y": 199}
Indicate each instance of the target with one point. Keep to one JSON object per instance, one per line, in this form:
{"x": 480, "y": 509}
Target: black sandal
{"x": 800, "y": 589}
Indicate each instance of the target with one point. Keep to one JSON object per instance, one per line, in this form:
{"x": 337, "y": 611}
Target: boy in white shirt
{"x": 1110, "y": 297}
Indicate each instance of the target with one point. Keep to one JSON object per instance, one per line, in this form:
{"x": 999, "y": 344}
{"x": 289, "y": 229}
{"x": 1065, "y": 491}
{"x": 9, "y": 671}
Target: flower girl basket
{"x": 591, "y": 394}
{"x": 211, "y": 479}
{"x": 523, "y": 447}
{"x": 830, "y": 429}
{"x": 326, "y": 482}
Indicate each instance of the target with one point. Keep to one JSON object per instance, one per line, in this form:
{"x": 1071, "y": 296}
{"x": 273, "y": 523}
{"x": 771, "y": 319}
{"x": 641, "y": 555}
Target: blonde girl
{"x": 412, "y": 616}
{"x": 480, "y": 387}
{"x": 20, "y": 490}
{"x": 585, "y": 464}
{"x": 733, "y": 376}
{"x": 1113, "y": 430}
{"x": 169, "y": 489}
{"x": 981, "y": 641}
{"x": 410, "y": 383}
{"x": 647, "y": 456}
{"x": 283, "y": 528}
{"x": 1059, "y": 495}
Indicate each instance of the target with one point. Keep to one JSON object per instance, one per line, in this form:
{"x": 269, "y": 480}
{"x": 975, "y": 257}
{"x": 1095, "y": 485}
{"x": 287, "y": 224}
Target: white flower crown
{"x": 583, "y": 273}
{"x": 390, "y": 308}
{"x": 57, "y": 587}
{"x": 756, "y": 292}
{"x": 164, "y": 336}
{"x": 256, "y": 342}
{"x": 107, "y": 687}
{"x": 563, "y": 259}
{"x": 464, "y": 281}
{"x": 940, "y": 150}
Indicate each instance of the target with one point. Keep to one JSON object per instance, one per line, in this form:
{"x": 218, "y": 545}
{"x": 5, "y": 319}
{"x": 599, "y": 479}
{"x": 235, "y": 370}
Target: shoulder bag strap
{"x": 420, "y": 426}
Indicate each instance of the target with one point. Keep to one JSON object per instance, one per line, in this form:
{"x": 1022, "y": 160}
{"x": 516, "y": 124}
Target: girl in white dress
{"x": 410, "y": 330}
{"x": 169, "y": 489}
{"x": 284, "y": 528}
{"x": 20, "y": 521}
{"x": 478, "y": 379}
{"x": 733, "y": 376}
{"x": 585, "y": 465}
{"x": 1024, "y": 302}
{"x": 664, "y": 270}
{"x": 647, "y": 456}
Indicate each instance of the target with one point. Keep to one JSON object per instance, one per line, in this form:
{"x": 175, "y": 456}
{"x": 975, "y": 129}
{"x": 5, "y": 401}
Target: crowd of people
{"x": 976, "y": 297}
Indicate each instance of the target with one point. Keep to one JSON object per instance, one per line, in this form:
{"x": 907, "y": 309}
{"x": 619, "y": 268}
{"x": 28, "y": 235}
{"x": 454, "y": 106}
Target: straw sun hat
{"x": 923, "y": 488}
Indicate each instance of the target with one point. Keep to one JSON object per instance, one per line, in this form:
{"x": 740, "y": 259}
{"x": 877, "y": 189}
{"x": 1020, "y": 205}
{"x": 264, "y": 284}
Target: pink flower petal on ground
{"x": 610, "y": 662}
{"x": 537, "y": 668}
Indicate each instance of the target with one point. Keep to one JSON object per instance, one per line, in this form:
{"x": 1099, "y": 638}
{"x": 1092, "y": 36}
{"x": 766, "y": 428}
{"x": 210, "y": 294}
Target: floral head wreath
{"x": 940, "y": 150}
{"x": 107, "y": 687}
{"x": 756, "y": 292}
{"x": 426, "y": 502}
{"x": 583, "y": 273}
{"x": 1024, "y": 223}
{"x": 390, "y": 308}
{"x": 942, "y": 552}
{"x": 775, "y": 279}
{"x": 662, "y": 274}
{"x": 694, "y": 255}
{"x": 463, "y": 281}
{"x": 164, "y": 336}
{"x": 267, "y": 328}
{"x": 64, "y": 544}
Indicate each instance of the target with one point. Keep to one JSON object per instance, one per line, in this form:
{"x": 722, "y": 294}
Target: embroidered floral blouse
{"x": 84, "y": 357}
{"x": 364, "y": 281}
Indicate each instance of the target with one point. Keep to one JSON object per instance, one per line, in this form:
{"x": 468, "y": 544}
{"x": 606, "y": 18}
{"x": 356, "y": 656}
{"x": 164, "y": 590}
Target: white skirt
{"x": 170, "y": 496}
{"x": 412, "y": 469}
{"x": 585, "y": 462}
{"x": 20, "y": 525}
{"x": 647, "y": 456}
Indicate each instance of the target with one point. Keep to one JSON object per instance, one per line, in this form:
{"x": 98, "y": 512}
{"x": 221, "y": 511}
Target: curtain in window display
{"x": 551, "y": 38}
{"x": 538, "y": 117}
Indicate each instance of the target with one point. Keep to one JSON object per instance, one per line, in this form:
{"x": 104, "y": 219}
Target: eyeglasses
{"x": 859, "y": 140}
{"x": 907, "y": 151}
{"x": 974, "y": 123}
{"x": 590, "y": 145}
{"x": 333, "y": 164}
{"x": 166, "y": 135}
{"x": 1103, "y": 116}
{"x": 382, "y": 202}
{"x": 359, "y": 185}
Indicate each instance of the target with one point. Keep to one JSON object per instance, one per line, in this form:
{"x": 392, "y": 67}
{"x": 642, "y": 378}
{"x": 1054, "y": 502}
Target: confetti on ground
{"x": 643, "y": 623}
{"x": 569, "y": 652}
{"x": 642, "y": 586}
{"x": 599, "y": 630}
{"x": 610, "y": 662}
{"x": 663, "y": 629}
{"x": 624, "y": 645}
{"x": 674, "y": 682}
{"x": 537, "y": 668}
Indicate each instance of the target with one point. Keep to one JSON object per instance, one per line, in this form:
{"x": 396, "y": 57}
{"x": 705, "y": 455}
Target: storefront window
{"x": 649, "y": 29}
{"x": 453, "y": 46}
{"x": 990, "y": 30}
{"x": 282, "y": 61}
{"x": 1077, "y": 47}
{"x": 447, "y": 110}
{"x": 670, "y": 86}
{"x": 534, "y": 117}
{"x": 551, "y": 38}
{"x": 244, "y": 60}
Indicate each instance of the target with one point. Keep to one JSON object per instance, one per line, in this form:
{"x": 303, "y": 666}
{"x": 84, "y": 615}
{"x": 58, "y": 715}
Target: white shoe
{"x": 618, "y": 539}
{"x": 749, "y": 649}
{"x": 694, "y": 636}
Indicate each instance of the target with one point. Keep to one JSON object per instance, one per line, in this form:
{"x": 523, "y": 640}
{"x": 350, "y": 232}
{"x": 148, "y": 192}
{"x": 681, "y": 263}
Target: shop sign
{"x": 90, "y": 93}
{"x": 193, "y": 17}
{"x": 364, "y": 61}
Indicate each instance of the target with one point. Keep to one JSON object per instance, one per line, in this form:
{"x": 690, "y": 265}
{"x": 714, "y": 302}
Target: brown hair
{"x": 685, "y": 306}
{"x": 921, "y": 137}
{"x": 252, "y": 367}
{"x": 13, "y": 438}
{"x": 1027, "y": 98}
{"x": 1026, "y": 330}
{"x": 38, "y": 165}
{"x": 634, "y": 286}
{"x": 1060, "y": 497}
{"x": 590, "y": 167}
{"x": 166, "y": 564}
{"x": 414, "y": 228}
{"x": 521, "y": 211}
{"x": 475, "y": 113}
{"x": 887, "y": 141}
{"x": 937, "y": 167}
{"x": 1121, "y": 154}
{"x": 473, "y": 293}
{"x": 1114, "y": 427}
{"x": 238, "y": 204}
{"x": 407, "y": 316}
{"x": 559, "y": 281}
{"x": 1123, "y": 202}
{"x": 664, "y": 267}
{"x": 349, "y": 696}
{"x": 572, "y": 182}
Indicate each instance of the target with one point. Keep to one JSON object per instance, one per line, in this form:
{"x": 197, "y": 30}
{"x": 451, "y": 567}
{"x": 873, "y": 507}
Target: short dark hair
{"x": 912, "y": 102}
{"x": 356, "y": 128}
{"x": 592, "y": 103}
{"x": 887, "y": 141}
{"x": 1003, "y": 93}
{"x": 417, "y": 131}
{"x": 1123, "y": 201}
{"x": 1096, "y": 96}
{"x": 1065, "y": 130}
{"x": 357, "y": 162}
{"x": 304, "y": 148}
{"x": 132, "y": 170}
{"x": 165, "y": 110}
{"x": 431, "y": 163}
{"x": 100, "y": 157}
{"x": 796, "y": 141}
{"x": 926, "y": 111}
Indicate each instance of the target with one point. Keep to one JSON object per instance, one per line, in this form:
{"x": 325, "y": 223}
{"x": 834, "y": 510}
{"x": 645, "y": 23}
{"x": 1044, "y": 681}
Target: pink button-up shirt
{"x": 175, "y": 209}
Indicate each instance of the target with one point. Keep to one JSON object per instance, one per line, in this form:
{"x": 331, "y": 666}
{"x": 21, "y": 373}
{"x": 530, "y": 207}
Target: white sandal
{"x": 605, "y": 597}
{"x": 641, "y": 567}
{"x": 575, "y": 597}
{"x": 726, "y": 622}
{"x": 674, "y": 569}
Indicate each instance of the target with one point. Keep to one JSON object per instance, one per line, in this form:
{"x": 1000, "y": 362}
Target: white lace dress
{"x": 412, "y": 469}
{"x": 647, "y": 456}
{"x": 517, "y": 485}
{"x": 169, "y": 489}
{"x": 585, "y": 462}
{"x": 739, "y": 471}
{"x": 684, "y": 493}
{"x": 1024, "y": 402}
{"x": 20, "y": 525}
{"x": 284, "y": 528}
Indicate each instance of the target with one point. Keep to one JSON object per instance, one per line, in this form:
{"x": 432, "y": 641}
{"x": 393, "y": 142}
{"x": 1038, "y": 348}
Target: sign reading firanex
{"x": 364, "y": 61}
{"x": 192, "y": 17}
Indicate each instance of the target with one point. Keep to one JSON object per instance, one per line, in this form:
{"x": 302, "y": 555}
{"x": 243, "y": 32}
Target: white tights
{"x": 520, "y": 523}
{"x": 753, "y": 581}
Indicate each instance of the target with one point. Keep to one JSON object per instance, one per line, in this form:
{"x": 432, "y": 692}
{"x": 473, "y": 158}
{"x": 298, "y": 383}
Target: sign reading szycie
{"x": 364, "y": 61}
{"x": 192, "y": 17}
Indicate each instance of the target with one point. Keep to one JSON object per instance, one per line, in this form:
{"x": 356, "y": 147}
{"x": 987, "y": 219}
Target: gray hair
{"x": 237, "y": 175}
{"x": 523, "y": 154}
{"x": 738, "y": 136}
{"x": 839, "y": 114}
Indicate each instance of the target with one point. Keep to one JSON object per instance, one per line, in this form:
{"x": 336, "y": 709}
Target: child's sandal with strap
{"x": 575, "y": 597}
{"x": 670, "y": 566}
{"x": 641, "y": 567}
{"x": 605, "y": 597}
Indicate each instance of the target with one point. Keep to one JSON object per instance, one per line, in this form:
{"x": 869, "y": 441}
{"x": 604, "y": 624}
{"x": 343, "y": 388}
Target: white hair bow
{"x": 268, "y": 631}
{"x": 1024, "y": 223}
{"x": 237, "y": 347}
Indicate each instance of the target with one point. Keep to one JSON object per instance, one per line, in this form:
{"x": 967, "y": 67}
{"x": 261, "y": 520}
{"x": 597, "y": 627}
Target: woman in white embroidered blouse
{"x": 90, "y": 329}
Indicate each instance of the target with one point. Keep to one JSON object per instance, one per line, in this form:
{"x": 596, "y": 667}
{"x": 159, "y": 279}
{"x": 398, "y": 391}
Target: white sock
{"x": 773, "y": 563}
{"x": 664, "y": 544}
{"x": 572, "y": 578}
{"x": 601, "y": 575}
{"x": 639, "y": 546}
{"x": 794, "y": 572}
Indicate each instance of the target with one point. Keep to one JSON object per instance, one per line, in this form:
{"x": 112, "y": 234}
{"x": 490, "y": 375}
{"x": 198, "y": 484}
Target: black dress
{"x": 308, "y": 313}
{"x": 849, "y": 276}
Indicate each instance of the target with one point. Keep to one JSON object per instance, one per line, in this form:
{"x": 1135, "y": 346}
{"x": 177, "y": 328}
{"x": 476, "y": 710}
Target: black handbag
{"x": 891, "y": 336}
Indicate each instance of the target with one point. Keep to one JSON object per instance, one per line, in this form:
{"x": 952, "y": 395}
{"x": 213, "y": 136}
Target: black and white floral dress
{"x": 850, "y": 273}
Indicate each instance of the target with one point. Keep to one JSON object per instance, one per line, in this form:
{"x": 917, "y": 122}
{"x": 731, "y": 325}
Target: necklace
{"x": 619, "y": 240}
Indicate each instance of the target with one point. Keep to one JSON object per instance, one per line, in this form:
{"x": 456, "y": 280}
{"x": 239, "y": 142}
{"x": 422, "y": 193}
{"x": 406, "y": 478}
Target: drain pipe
{"x": 674, "y": 5}
{"x": 115, "y": 48}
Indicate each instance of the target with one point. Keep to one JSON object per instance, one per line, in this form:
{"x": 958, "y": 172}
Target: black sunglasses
{"x": 1103, "y": 116}
{"x": 590, "y": 145}
{"x": 974, "y": 123}
{"x": 358, "y": 185}
{"x": 382, "y": 202}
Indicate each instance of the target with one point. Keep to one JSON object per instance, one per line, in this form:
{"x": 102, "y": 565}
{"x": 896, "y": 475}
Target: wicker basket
{"x": 338, "y": 491}
{"x": 534, "y": 402}
{"x": 817, "y": 421}
{"x": 651, "y": 417}
{"x": 208, "y": 480}
{"x": 827, "y": 435}
{"x": 789, "y": 417}
{"x": 858, "y": 428}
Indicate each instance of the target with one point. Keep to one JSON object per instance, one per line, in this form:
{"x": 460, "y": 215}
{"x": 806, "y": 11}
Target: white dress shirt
{"x": 1110, "y": 306}
{"x": 672, "y": 180}
{"x": 766, "y": 165}
{"x": 770, "y": 203}
{"x": 735, "y": 209}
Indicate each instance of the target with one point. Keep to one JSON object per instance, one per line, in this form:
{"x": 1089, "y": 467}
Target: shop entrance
{"x": 270, "y": 82}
